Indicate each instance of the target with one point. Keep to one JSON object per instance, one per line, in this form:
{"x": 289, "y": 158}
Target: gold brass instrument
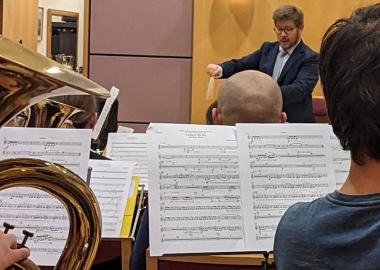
{"x": 49, "y": 114}
{"x": 46, "y": 113}
{"x": 74, "y": 193}
{"x": 26, "y": 79}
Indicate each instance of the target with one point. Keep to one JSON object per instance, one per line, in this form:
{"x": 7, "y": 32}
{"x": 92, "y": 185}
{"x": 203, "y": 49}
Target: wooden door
{"x": 19, "y": 22}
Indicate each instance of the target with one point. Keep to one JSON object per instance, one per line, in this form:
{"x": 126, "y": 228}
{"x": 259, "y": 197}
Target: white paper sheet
{"x": 130, "y": 147}
{"x": 122, "y": 129}
{"x": 40, "y": 213}
{"x": 281, "y": 164}
{"x": 194, "y": 189}
{"x": 341, "y": 160}
{"x": 35, "y": 210}
{"x": 114, "y": 92}
{"x": 111, "y": 181}
{"x": 68, "y": 147}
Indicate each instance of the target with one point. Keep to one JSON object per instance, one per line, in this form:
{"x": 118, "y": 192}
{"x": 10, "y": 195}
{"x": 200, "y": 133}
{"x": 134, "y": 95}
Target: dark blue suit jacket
{"x": 297, "y": 79}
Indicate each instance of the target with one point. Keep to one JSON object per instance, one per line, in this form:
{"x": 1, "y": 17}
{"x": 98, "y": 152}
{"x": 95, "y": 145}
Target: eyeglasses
{"x": 287, "y": 31}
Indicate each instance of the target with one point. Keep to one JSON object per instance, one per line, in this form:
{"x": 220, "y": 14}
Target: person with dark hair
{"x": 86, "y": 118}
{"x": 341, "y": 230}
{"x": 9, "y": 253}
{"x": 289, "y": 61}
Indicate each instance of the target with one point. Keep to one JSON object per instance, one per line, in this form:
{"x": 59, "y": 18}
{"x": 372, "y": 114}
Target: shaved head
{"x": 250, "y": 97}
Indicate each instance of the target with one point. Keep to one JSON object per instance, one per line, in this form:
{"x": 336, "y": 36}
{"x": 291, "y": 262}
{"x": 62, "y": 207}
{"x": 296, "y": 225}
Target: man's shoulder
{"x": 301, "y": 213}
{"x": 269, "y": 45}
{"x": 308, "y": 51}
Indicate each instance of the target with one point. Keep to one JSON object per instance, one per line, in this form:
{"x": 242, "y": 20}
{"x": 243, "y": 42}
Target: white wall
{"x": 66, "y": 5}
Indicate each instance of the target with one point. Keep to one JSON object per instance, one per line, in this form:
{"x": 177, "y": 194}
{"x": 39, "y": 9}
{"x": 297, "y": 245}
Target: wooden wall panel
{"x": 20, "y": 22}
{"x": 143, "y": 27}
{"x": 152, "y": 89}
{"x": 225, "y": 29}
{"x": 144, "y": 48}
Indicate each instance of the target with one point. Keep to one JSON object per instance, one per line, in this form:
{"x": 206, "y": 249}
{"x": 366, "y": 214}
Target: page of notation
{"x": 33, "y": 209}
{"x": 68, "y": 147}
{"x": 341, "y": 160}
{"x": 284, "y": 164}
{"x": 130, "y": 147}
{"x": 40, "y": 213}
{"x": 111, "y": 181}
{"x": 194, "y": 189}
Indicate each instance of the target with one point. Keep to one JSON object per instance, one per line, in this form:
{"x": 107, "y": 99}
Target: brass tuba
{"x": 80, "y": 202}
{"x": 26, "y": 79}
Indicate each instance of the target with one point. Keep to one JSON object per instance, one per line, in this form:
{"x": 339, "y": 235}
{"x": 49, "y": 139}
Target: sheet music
{"x": 130, "y": 147}
{"x": 111, "y": 182}
{"x": 40, "y": 213}
{"x": 195, "y": 194}
{"x": 283, "y": 163}
{"x": 33, "y": 209}
{"x": 68, "y": 147}
{"x": 341, "y": 160}
{"x": 114, "y": 92}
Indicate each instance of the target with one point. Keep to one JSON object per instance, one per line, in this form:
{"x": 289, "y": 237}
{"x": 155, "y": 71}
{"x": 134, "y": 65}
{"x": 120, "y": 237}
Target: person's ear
{"x": 300, "y": 29}
{"x": 283, "y": 117}
{"x": 217, "y": 116}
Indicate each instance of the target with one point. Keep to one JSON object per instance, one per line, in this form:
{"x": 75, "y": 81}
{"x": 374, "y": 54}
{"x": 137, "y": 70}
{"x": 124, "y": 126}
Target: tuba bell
{"x": 78, "y": 199}
{"x": 27, "y": 79}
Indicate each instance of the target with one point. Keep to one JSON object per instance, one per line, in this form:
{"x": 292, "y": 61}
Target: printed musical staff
{"x": 111, "y": 181}
{"x": 208, "y": 195}
{"x": 33, "y": 209}
{"x": 284, "y": 164}
{"x": 198, "y": 193}
{"x": 130, "y": 147}
{"x": 341, "y": 160}
{"x": 69, "y": 147}
{"x": 40, "y": 213}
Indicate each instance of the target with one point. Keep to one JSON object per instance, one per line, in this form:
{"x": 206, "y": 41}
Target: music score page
{"x": 281, "y": 164}
{"x": 33, "y": 209}
{"x": 111, "y": 182}
{"x": 341, "y": 160}
{"x": 208, "y": 195}
{"x": 130, "y": 147}
{"x": 194, "y": 189}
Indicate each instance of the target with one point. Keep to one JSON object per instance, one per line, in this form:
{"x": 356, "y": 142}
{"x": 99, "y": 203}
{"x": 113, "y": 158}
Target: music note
{"x": 198, "y": 173}
{"x": 33, "y": 209}
{"x": 130, "y": 147}
{"x": 63, "y": 146}
{"x": 111, "y": 181}
{"x": 285, "y": 164}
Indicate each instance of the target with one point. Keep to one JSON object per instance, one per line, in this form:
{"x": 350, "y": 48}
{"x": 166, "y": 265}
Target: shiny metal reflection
{"x": 78, "y": 199}
{"x": 27, "y": 78}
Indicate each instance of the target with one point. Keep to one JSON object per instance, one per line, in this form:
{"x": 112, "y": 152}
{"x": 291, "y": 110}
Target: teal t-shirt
{"x": 335, "y": 232}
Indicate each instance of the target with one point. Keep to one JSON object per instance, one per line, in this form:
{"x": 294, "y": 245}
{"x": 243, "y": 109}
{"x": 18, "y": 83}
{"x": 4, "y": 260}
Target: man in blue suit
{"x": 289, "y": 61}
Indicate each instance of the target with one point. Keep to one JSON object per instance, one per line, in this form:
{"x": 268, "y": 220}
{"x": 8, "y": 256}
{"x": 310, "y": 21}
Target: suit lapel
{"x": 297, "y": 54}
{"x": 271, "y": 60}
